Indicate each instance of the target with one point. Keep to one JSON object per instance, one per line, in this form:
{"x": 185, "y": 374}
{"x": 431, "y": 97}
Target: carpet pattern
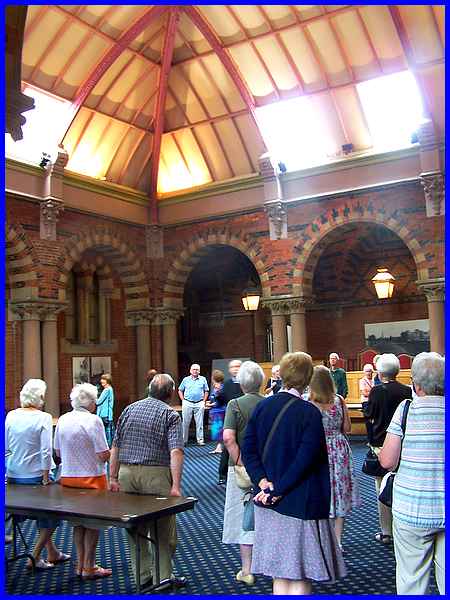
{"x": 209, "y": 565}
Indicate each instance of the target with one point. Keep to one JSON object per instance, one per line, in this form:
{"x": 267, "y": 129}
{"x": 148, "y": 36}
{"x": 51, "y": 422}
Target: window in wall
{"x": 393, "y": 108}
{"x": 43, "y": 128}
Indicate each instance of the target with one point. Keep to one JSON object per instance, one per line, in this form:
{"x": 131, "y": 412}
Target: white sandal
{"x": 40, "y": 565}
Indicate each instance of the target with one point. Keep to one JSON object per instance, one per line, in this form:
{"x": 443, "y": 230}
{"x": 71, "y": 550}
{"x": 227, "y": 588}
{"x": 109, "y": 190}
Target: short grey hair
{"x": 334, "y": 354}
{"x": 32, "y": 393}
{"x": 275, "y": 368}
{"x": 250, "y": 376}
{"x": 367, "y": 367}
{"x": 388, "y": 365}
{"x": 161, "y": 386}
{"x": 83, "y": 395}
{"x": 428, "y": 372}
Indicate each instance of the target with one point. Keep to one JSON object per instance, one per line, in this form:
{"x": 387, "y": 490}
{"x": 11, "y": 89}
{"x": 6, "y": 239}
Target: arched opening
{"x": 215, "y": 324}
{"x": 341, "y": 268}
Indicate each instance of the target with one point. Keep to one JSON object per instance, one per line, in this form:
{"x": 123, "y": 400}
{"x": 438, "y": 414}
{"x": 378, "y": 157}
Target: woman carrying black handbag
{"x": 379, "y": 410}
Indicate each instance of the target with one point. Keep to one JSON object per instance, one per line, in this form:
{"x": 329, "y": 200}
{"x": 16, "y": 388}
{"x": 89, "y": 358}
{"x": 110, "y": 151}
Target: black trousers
{"x": 223, "y": 465}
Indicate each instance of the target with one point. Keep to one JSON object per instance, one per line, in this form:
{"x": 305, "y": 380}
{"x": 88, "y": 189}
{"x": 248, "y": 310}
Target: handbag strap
{"x": 274, "y": 426}
{"x": 403, "y": 426}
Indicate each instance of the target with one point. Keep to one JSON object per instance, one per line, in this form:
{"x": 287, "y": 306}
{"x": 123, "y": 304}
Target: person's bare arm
{"x": 229, "y": 439}
{"x": 181, "y": 395}
{"x": 390, "y": 452}
{"x": 103, "y": 456}
{"x": 176, "y": 468}
{"x": 346, "y": 422}
{"x": 114, "y": 466}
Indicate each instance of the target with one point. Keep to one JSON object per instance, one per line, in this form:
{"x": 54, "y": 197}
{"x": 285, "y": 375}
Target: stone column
{"x": 168, "y": 319}
{"x": 84, "y": 282}
{"x": 434, "y": 290}
{"x": 279, "y": 309}
{"x": 298, "y": 324}
{"x": 32, "y": 361}
{"x": 141, "y": 319}
{"x": 50, "y": 358}
{"x": 104, "y": 315}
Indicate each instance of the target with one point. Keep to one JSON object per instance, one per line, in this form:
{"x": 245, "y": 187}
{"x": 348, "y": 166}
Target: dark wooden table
{"x": 119, "y": 509}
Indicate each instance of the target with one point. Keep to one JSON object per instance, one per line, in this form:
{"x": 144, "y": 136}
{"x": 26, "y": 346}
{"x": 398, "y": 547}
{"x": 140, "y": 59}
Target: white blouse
{"x": 79, "y": 436}
{"x": 28, "y": 443}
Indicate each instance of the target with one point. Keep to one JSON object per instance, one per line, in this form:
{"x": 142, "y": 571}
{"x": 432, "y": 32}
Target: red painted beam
{"x": 111, "y": 55}
{"x": 167, "y": 55}
{"x": 225, "y": 58}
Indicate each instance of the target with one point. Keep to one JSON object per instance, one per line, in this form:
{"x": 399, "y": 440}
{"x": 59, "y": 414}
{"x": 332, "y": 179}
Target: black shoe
{"x": 222, "y": 481}
{"x": 165, "y": 584}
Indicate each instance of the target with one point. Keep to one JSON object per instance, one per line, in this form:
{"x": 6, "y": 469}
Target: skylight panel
{"x": 393, "y": 108}
{"x": 295, "y": 134}
{"x": 42, "y": 130}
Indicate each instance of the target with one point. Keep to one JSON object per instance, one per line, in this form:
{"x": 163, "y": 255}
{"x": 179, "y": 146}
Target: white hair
{"x": 195, "y": 365}
{"x": 32, "y": 393}
{"x": 334, "y": 354}
{"x": 388, "y": 365}
{"x": 83, "y": 395}
{"x": 275, "y": 368}
{"x": 367, "y": 366}
{"x": 250, "y": 376}
{"x": 428, "y": 372}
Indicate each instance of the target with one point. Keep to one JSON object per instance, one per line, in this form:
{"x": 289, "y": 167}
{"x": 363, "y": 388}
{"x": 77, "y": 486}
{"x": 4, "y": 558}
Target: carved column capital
{"x": 434, "y": 289}
{"x": 277, "y": 214}
{"x": 433, "y": 184}
{"x": 298, "y": 305}
{"x": 154, "y": 238}
{"x": 277, "y": 306}
{"x": 167, "y": 316}
{"x": 37, "y": 311}
{"x": 265, "y": 166}
{"x": 145, "y": 316}
{"x": 50, "y": 209}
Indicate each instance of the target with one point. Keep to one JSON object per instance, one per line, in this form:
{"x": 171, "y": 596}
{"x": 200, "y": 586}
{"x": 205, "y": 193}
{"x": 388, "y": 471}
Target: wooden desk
{"x": 118, "y": 509}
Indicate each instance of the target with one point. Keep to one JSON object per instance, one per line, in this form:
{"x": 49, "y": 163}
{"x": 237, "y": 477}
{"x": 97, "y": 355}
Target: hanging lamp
{"x": 384, "y": 283}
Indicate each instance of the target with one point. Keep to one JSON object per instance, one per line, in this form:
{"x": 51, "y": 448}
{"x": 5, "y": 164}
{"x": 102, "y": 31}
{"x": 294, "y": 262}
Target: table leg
{"x": 137, "y": 544}
{"x": 27, "y": 553}
{"x": 157, "y": 579}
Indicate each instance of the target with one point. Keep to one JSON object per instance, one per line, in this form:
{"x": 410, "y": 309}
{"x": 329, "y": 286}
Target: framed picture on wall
{"x": 399, "y": 337}
{"x": 81, "y": 369}
{"x": 99, "y": 365}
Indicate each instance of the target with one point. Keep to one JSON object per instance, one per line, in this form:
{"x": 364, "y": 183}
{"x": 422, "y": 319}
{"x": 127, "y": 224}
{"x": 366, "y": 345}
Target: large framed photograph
{"x": 399, "y": 337}
{"x": 99, "y": 365}
{"x": 81, "y": 369}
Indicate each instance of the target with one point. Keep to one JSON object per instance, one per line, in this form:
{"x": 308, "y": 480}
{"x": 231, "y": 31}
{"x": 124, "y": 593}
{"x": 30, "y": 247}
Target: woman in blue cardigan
{"x": 295, "y": 542}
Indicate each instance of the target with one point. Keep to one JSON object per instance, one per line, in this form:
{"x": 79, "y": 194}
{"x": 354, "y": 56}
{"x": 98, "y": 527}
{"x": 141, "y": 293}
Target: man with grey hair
{"x": 338, "y": 374}
{"x": 418, "y": 505}
{"x": 379, "y": 410}
{"x": 239, "y": 411}
{"x": 147, "y": 457}
{"x": 193, "y": 393}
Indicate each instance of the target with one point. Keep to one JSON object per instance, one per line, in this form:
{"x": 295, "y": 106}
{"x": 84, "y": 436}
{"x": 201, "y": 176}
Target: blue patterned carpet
{"x": 209, "y": 565}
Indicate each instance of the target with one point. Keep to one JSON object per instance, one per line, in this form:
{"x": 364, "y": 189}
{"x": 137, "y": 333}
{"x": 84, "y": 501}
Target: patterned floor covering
{"x": 209, "y": 565}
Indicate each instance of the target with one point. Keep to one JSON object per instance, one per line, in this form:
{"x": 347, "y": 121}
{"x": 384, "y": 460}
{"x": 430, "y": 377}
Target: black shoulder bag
{"x": 371, "y": 465}
{"x": 387, "y": 489}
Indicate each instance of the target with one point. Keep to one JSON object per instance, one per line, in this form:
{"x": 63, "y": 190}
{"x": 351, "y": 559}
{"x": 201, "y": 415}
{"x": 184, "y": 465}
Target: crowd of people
{"x": 285, "y": 458}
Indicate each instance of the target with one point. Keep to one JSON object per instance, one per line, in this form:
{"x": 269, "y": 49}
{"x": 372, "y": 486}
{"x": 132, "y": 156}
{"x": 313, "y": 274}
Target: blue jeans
{"x": 42, "y": 523}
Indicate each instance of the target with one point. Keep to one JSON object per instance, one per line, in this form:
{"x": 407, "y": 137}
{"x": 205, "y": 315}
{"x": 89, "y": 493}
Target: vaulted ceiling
{"x": 163, "y": 97}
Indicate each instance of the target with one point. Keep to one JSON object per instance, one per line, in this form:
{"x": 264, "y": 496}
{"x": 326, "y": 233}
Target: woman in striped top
{"x": 418, "y": 506}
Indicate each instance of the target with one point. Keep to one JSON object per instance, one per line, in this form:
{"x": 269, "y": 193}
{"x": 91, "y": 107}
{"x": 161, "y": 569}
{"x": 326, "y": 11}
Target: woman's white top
{"x": 79, "y": 436}
{"x": 28, "y": 442}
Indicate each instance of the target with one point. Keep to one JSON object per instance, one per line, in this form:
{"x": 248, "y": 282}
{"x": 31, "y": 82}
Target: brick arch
{"x": 22, "y": 264}
{"x": 321, "y": 231}
{"x": 190, "y": 253}
{"x": 121, "y": 255}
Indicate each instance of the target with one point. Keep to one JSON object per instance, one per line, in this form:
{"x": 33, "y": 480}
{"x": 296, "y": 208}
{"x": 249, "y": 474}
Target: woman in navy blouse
{"x": 295, "y": 542}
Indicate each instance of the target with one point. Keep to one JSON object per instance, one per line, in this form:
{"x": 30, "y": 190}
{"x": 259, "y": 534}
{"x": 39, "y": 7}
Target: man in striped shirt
{"x": 418, "y": 506}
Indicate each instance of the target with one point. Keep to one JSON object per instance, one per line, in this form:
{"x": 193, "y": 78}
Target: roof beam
{"x": 409, "y": 55}
{"x": 169, "y": 43}
{"x": 111, "y": 55}
{"x": 224, "y": 56}
{"x": 299, "y": 23}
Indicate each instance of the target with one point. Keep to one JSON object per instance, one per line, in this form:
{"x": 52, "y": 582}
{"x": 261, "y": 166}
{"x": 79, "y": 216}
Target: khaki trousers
{"x": 384, "y": 512}
{"x": 415, "y": 552}
{"x": 151, "y": 480}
